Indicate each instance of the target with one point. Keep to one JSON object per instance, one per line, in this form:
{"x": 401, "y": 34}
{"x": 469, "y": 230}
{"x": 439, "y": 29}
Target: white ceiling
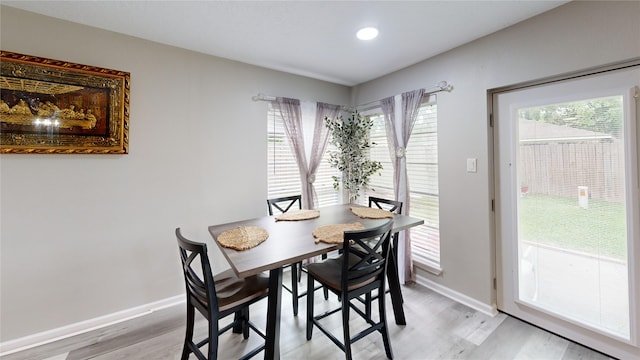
{"x": 309, "y": 38}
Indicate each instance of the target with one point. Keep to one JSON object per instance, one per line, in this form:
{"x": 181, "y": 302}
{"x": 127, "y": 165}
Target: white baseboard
{"x": 491, "y": 310}
{"x": 27, "y": 342}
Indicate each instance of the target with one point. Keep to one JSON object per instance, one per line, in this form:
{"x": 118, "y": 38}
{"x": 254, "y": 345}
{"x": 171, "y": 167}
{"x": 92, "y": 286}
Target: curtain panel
{"x": 320, "y": 140}
{"x": 398, "y": 130}
{"x": 291, "y": 114}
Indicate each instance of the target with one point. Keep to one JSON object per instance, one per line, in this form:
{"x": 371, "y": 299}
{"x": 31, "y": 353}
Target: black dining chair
{"x": 216, "y": 297}
{"x": 396, "y": 208}
{"x": 284, "y": 204}
{"x": 364, "y": 270}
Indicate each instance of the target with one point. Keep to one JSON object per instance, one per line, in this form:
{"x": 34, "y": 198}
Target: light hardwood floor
{"x": 437, "y": 328}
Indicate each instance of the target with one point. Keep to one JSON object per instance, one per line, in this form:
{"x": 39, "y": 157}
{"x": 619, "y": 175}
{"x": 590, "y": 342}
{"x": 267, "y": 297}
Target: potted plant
{"x": 350, "y": 136}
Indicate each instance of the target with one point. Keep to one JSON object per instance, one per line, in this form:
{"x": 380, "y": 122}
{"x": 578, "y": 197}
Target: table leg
{"x": 394, "y": 285}
{"x": 238, "y": 328}
{"x": 272, "y": 345}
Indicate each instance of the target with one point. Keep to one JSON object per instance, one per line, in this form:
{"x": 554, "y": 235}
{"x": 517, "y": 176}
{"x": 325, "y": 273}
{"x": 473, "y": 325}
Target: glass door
{"x": 567, "y": 208}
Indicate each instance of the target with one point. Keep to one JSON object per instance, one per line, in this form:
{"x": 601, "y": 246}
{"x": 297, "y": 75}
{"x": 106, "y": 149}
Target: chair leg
{"x": 367, "y": 304}
{"x": 345, "y": 328}
{"x": 213, "y": 338}
{"x": 385, "y": 328}
{"x": 394, "y": 253}
{"x": 188, "y": 337}
{"x": 237, "y": 322}
{"x": 245, "y": 322}
{"x": 324, "y": 288}
{"x": 294, "y": 287}
{"x": 309, "y": 306}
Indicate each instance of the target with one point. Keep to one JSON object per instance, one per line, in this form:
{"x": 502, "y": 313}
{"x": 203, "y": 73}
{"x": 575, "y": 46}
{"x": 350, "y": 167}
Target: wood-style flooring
{"x": 437, "y": 328}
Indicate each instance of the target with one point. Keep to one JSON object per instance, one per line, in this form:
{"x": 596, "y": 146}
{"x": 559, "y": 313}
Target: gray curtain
{"x": 398, "y": 133}
{"x": 320, "y": 140}
{"x": 291, "y": 114}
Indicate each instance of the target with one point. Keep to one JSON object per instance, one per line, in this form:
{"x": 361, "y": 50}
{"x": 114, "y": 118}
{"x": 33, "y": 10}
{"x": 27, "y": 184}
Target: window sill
{"x": 430, "y": 268}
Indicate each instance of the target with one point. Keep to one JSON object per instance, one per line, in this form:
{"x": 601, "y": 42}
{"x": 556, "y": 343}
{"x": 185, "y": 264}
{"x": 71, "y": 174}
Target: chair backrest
{"x": 198, "y": 277}
{"x": 385, "y": 204}
{"x": 367, "y": 251}
{"x": 284, "y": 204}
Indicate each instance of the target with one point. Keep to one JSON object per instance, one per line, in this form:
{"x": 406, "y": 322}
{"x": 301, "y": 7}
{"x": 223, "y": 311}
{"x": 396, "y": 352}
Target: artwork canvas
{"x": 58, "y": 107}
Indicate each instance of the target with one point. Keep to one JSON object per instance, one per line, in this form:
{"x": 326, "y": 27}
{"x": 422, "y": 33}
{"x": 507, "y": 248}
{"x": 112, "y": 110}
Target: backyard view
{"x": 559, "y": 222}
{"x": 572, "y": 222}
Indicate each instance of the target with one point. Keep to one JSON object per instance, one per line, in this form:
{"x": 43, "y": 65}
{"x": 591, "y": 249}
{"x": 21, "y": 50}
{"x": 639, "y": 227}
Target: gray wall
{"x": 84, "y": 236}
{"x": 575, "y": 36}
{"x": 92, "y": 235}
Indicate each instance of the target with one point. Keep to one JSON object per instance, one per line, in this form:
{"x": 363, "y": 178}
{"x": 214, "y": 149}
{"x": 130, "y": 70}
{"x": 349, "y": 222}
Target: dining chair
{"x": 284, "y": 204}
{"x": 364, "y": 270}
{"x": 216, "y": 297}
{"x": 395, "y": 207}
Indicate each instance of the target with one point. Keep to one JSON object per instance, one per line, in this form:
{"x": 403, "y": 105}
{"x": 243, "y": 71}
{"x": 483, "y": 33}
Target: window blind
{"x": 283, "y": 177}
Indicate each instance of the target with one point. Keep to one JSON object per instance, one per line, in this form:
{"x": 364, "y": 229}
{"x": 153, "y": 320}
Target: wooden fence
{"x": 559, "y": 168}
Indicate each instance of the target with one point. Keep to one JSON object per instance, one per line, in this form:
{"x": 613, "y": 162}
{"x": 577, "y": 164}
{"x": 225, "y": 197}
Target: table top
{"x": 293, "y": 241}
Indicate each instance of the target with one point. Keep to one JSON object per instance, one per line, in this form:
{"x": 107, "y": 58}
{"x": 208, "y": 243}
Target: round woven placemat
{"x": 243, "y": 237}
{"x": 297, "y": 215}
{"x": 371, "y": 213}
{"x": 334, "y": 234}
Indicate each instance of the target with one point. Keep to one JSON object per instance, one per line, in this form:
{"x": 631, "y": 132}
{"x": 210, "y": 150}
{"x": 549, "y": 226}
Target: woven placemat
{"x": 297, "y": 215}
{"x": 371, "y": 213}
{"x": 243, "y": 237}
{"x": 334, "y": 234}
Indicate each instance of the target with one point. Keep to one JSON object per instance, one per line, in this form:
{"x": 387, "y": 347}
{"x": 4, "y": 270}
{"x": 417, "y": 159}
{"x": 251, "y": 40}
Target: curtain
{"x": 320, "y": 139}
{"x": 291, "y": 114}
{"x": 398, "y": 133}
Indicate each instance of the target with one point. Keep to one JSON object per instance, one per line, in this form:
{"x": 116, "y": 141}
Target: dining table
{"x": 293, "y": 241}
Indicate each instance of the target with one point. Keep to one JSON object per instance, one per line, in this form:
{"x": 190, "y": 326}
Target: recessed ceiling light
{"x": 367, "y": 33}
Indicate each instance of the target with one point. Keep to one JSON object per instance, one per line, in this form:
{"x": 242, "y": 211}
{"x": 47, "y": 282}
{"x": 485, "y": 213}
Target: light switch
{"x": 472, "y": 165}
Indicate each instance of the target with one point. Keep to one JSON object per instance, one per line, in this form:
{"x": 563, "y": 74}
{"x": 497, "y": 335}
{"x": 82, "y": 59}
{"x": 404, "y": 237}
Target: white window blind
{"x": 283, "y": 177}
{"x": 326, "y": 194}
{"x": 382, "y": 185}
{"x": 422, "y": 171}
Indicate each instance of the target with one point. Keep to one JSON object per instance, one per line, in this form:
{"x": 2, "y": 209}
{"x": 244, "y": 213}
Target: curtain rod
{"x": 263, "y": 97}
{"x": 441, "y": 86}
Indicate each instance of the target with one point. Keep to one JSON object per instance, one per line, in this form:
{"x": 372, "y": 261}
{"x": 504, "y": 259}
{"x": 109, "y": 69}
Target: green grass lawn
{"x": 560, "y": 222}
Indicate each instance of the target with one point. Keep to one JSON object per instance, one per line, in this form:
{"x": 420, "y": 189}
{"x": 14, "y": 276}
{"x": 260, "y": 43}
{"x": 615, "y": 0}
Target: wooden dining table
{"x": 292, "y": 241}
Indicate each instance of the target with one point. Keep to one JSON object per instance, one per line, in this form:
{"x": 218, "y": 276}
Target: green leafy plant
{"x": 350, "y": 136}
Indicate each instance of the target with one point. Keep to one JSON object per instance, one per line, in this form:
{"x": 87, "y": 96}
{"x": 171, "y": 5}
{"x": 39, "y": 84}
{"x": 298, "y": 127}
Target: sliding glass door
{"x": 567, "y": 208}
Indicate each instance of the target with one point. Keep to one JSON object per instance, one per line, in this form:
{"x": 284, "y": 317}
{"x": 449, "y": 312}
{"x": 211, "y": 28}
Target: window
{"x": 422, "y": 171}
{"x": 575, "y": 147}
{"x": 422, "y": 168}
{"x": 283, "y": 177}
{"x": 379, "y": 186}
{"x": 326, "y": 194}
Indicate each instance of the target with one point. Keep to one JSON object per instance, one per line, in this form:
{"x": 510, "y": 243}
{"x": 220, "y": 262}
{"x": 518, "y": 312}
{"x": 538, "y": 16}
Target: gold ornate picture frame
{"x": 57, "y": 107}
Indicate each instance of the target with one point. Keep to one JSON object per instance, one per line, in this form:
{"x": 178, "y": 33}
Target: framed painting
{"x": 57, "y": 107}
